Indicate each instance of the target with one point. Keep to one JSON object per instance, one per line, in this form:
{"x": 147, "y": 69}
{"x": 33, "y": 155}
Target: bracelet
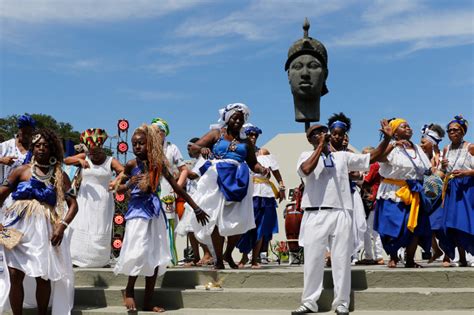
{"x": 198, "y": 211}
{"x": 64, "y": 223}
{"x": 282, "y": 188}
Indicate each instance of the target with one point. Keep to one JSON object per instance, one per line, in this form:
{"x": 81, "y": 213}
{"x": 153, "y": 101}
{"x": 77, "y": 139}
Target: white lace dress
{"x": 92, "y": 227}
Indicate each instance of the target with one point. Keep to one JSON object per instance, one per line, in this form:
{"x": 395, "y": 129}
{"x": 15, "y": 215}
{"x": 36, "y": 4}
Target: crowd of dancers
{"x": 392, "y": 198}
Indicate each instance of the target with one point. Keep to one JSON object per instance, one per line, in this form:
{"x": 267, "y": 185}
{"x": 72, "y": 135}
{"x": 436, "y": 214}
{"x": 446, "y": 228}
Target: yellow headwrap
{"x": 395, "y": 123}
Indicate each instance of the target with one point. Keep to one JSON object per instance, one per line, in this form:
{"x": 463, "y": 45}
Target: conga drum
{"x": 292, "y": 226}
{"x": 179, "y": 206}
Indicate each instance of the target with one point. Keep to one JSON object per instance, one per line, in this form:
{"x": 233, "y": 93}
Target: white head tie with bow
{"x": 227, "y": 112}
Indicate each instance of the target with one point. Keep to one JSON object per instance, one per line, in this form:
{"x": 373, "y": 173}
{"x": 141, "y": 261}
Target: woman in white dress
{"x": 145, "y": 250}
{"x": 92, "y": 227}
{"x": 39, "y": 192}
{"x": 224, "y": 191}
{"x": 402, "y": 213}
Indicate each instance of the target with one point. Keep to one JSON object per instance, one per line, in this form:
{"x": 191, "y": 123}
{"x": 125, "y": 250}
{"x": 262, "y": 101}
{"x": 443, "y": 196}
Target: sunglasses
{"x": 454, "y": 130}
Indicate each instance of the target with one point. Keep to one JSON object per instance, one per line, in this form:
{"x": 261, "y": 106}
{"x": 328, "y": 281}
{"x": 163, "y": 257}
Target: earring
{"x": 53, "y": 160}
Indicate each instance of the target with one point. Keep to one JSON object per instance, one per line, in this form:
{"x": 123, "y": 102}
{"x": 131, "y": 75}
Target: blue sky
{"x": 92, "y": 62}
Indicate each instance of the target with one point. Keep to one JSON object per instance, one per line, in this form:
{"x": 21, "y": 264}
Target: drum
{"x": 293, "y": 219}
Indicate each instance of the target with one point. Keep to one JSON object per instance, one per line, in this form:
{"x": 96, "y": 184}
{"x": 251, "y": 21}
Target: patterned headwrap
{"x": 249, "y": 128}
{"x": 227, "y": 112}
{"x": 25, "y": 121}
{"x": 162, "y": 124}
{"x": 93, "y": 137}
{"x": 395, "y": 123}
{"x": 461, "y": 122}
{"x": 431, "y": 135}
{"x": 338, "y": 124}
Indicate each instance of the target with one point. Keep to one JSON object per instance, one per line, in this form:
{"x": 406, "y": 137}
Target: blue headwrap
{"x": 460, "y": 121}
{"x": 249, "y": 128}
{"x": 25, "y": 121}
{"x": 338, "y": 124}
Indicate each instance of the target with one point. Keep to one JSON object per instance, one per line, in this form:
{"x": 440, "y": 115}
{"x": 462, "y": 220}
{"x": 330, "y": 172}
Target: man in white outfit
{"x": 327, "y": 219}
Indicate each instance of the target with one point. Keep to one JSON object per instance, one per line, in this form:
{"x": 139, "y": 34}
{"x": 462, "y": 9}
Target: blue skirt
{"x": 266, "y": 222}
{"x": 390, "y": 221}
{"x": 458, "y": 216}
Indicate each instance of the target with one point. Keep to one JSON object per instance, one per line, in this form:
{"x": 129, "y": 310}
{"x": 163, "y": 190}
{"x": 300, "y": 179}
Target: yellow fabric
{"x": 264, "y": 180}
{"x": 409, "y": 198}
{"x": 446, "y": 180}
{"x": 394, "y": 124}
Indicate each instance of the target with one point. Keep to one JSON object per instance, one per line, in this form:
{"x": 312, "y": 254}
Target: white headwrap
{"x": 431, "y": 135}
{"x": 227, "y": 112}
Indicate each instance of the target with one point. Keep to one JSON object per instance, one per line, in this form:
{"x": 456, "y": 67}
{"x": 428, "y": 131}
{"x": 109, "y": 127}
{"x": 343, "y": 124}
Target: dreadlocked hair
{"x": 155, "y": 157}
{"x": 340, "y": 117}
{"x": 55, "y": 150}
{"x": 438, "y": 129}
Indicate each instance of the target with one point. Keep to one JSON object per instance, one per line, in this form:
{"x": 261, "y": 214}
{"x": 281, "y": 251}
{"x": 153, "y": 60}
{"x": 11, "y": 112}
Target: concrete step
{"x": 286, "y": 298}
{"x": 289, "y": 277}
{"x": 120, "y": 310}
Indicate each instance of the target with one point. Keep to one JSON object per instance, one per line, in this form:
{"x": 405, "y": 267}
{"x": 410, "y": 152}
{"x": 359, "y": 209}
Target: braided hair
{"x": 155, "y": 156}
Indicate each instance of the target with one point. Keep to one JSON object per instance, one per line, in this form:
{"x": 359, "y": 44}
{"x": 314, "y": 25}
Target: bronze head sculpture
{"x": 307, "y": 67}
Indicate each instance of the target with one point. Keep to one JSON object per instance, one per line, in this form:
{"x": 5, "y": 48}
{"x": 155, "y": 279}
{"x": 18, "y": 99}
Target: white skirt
{"x": 37, "y": 257}
{"x": 145, "y": 247}
{"x": 185, "y": 225}
{"x": 231, "y": 218}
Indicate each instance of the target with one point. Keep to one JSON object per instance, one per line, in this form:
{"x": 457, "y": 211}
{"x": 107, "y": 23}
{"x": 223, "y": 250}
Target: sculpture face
{"x": 306, "y": 76}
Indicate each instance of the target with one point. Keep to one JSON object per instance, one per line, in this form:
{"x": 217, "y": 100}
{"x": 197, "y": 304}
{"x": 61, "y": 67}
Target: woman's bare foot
{"x": 129, "y": 301}
{"x": 155, "y": 309}
{"x": 243, "y": 261}
{"x": 392, "y": 263}
{"x": 256, "y": 266}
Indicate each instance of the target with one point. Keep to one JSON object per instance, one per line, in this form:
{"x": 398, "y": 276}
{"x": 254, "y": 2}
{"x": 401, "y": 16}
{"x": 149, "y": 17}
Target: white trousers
{"x": 372, "y": 243}
{"x": 320, "y": 229}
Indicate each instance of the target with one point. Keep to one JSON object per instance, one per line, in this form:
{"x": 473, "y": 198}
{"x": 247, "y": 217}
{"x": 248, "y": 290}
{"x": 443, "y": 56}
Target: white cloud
{"x": 262, "y": 19}
{"x": 383, "y": 9}
{"x": 202, "y": 48}
{"x": 170, "y": 67}
{"x": 73, "y": 11}
{"x": 84, "y": 64}
{"x": 424, "y": 30}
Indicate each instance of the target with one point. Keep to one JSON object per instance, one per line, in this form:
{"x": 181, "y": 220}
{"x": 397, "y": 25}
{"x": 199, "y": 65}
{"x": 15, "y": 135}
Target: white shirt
{"x": 401, "y": 166}
{"x": 329, "y": 186}
{"x": 175, "y": 160}
{"x": 460, "y": 158}
{"x": 264, "y": 189}
{"x": 9, "y": 148}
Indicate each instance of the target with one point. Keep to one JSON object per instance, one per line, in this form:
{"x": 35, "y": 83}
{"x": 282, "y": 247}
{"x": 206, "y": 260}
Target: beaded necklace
{"x": 420, "y": 172}
{"x": 47, "y": 178}
{"x": 458, "y": 154}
